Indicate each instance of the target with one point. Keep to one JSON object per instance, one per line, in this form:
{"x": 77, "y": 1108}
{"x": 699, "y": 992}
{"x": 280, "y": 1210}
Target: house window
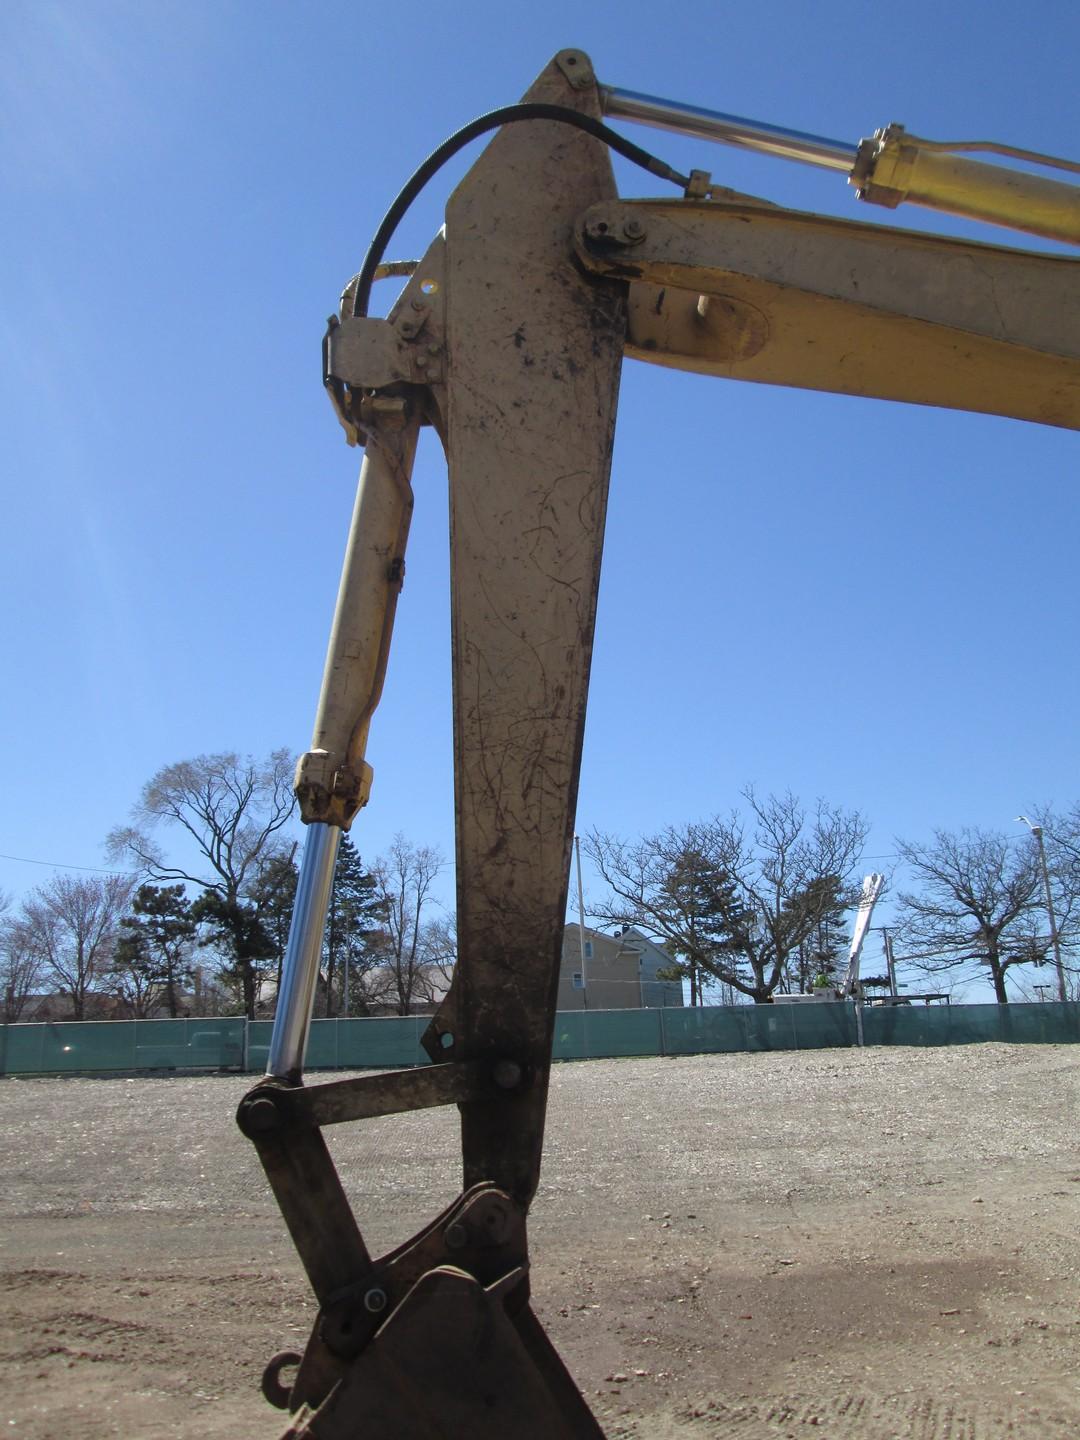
{"x": 588, "y": 949}
{"x": 579, "y": 982}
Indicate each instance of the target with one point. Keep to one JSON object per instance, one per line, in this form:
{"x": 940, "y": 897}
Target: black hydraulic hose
{"x": 528, "y": 110}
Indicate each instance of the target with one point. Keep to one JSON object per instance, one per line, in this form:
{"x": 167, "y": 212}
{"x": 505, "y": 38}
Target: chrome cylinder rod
{"x": 727, "y": 129}
{"x": 303, "y": 953}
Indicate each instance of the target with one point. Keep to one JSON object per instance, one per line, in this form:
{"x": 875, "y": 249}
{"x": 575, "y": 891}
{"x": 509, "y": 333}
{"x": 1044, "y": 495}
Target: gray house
{"x": 617, "y": 972}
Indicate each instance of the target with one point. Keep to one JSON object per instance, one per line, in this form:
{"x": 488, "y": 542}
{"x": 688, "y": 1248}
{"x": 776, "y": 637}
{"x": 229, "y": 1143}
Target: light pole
{"x": 1036, "y": 830}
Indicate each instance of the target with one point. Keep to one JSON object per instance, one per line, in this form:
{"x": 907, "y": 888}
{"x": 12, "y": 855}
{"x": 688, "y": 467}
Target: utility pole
{"x": 1055, "y": 940}
{"x": 890, "y": 963}
{"x": 581, "y": 926}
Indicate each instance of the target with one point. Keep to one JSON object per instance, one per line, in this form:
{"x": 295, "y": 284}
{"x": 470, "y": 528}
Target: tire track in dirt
{"x": 845, "y": 1417}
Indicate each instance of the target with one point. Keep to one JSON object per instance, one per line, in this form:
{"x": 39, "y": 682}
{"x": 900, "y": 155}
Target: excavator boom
{"x": 508, "y": 339}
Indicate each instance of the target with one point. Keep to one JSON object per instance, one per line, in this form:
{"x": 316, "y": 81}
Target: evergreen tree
{"x": 703, "y": 900}
{"x": 272, "y": 895}
{"x": 234, "y": 929}
{"x": 154, "y": 948}
{"x": 822, "y": 949}
{"x": 355, "y": 934}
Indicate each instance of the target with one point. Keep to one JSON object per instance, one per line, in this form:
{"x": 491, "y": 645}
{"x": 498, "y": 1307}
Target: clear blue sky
{"x": 865, "y": 601}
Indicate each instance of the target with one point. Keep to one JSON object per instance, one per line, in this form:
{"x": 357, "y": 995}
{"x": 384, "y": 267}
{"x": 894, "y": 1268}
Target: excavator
{"x": 507, "y": 339}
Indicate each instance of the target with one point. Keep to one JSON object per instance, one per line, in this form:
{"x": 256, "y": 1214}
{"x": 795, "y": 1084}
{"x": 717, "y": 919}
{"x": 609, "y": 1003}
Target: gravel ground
{"x": 856, "y": 1244}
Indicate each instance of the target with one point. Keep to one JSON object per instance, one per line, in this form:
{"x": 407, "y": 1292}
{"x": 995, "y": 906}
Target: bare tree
{"x": 976, "y": 905}
{"x": 20, "y": 965}
{"x": 405, "y": 876}
{"x": 671, "y": 887}
{"x": 734, "y": 898}
{"x": 1062, "y": 833}
{"x": 231, "y": 810}
{"x": 20, "y": 970}
{"x": 70, "y": 926}
{"x": 438, "y": 943}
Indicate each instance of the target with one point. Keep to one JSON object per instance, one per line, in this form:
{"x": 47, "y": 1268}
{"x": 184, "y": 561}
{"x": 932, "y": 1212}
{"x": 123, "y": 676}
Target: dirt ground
{"x": 840, "y": 1243}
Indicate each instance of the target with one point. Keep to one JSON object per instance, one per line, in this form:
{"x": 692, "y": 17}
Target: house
{"x": 619, "y": 972}
{"x": 373, "y": 991}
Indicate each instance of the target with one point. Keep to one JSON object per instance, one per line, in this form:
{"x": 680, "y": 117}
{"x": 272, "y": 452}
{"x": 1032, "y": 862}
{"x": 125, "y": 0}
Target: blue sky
{"x": 869, "y": 602}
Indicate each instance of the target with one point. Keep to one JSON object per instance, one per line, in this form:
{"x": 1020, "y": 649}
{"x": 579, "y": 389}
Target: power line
{"x": 1009, "y": 840}
{"x": 56, "y": 865}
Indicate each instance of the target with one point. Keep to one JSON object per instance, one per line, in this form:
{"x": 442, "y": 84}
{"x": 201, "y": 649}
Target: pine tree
{"x": 709, "y": 913}
{"x": 356, "y": 925}
{"x": 272, "y": 895}
{"x": 818, "y": 915}
{"x": 233, "y": 928}
{"x": 154, "y": 948}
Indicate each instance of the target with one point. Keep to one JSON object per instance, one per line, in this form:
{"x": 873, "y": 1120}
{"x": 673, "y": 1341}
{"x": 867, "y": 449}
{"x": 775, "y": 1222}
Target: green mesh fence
{"x": 95, "y": 1045}
{"x": 233, "y": 1044}
{"x": 596, "y": 1034}
{"x": 382, "y": 1044}
{"x": 1049, "y": 1024}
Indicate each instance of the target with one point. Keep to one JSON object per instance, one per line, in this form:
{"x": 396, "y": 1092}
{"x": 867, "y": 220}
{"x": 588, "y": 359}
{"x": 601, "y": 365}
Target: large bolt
{"x": 456, "y": 1237}
{"x": 260, "y": 1116}
{"x": 375, "y": 1300}
{"x": 506, "y": 1074}
{"x": 633, "y": 229}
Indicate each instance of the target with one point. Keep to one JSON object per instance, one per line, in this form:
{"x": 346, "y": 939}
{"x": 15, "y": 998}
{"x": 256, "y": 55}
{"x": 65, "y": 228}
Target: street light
{"x": 1036, "y": 830}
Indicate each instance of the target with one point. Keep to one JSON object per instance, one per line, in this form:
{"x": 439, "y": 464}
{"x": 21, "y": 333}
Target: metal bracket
{"x": 362, "y": 355}
{"x": 605, "y": 229}
{"x": 699, "y": 186}
{"x": 577, "y": 67}
{"x": 482, "y": 1234}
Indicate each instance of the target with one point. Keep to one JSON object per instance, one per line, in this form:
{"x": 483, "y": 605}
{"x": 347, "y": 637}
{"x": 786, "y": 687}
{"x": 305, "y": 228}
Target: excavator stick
{"x": 535, "y": 351}
{"x": 513, "y": 354}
